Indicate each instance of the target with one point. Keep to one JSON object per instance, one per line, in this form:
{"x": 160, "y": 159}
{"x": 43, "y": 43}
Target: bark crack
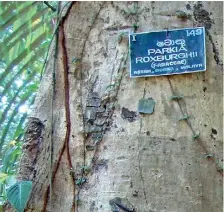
{"x": 202, "y": 17}
{"x": 215, "y": 50}
{"x": 139, "y": 159}
{"x": 141, "y": 175}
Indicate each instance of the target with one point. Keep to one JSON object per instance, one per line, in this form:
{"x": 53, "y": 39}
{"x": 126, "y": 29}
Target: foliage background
{"x": 26, "y": 30}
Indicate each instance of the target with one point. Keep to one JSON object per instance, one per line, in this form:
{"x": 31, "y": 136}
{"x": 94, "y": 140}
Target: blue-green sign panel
{"x": 167, "y": 52}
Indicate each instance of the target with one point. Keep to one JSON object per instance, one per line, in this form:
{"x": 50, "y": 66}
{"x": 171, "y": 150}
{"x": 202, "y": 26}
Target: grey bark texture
{"x": 144, "y": 163}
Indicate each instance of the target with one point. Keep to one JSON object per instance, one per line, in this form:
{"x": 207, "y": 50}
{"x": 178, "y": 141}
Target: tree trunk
{"x": 102, "y": 155}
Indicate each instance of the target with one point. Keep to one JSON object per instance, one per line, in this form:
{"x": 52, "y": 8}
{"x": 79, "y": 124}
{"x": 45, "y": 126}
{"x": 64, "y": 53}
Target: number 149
{"x": 194, "y": 32}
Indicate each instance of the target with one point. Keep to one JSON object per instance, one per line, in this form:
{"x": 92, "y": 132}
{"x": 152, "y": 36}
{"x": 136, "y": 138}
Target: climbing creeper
{"x": 195, "y": 136}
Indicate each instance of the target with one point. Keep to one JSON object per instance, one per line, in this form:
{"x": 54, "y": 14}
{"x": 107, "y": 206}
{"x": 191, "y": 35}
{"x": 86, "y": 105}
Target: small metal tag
{"x": 146, "y": 106}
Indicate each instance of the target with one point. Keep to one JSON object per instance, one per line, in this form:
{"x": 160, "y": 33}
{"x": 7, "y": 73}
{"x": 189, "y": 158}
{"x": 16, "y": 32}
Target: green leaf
{"x": 18, "y": 194}
{"x": 29, "y": 90}
{"x": 184, "y": 118}
{"x": 23, "y": 99}
{"x": 80, "y": 181}
{"x": 6, "y": 48}
{"x": 3, "y": 177}
{"x": 194, "y": 137}
{"x": 110, "y": 86}
{"x": 90, "y": 147}
{"x": 11, "y": 180}
{"x": 23, "y": 11}
{"x": 7, "y": 158}
{"x": 1, "y": 208}
{"x": 38, "y": 54}
{"x": 23, "y": 55}
{"x": 23, "y": 27}
{"x": 176, "y": 97}
{"x": 20, "y": 128}
{"x": 86, "y": 169}
{"x": 7, "y": 12}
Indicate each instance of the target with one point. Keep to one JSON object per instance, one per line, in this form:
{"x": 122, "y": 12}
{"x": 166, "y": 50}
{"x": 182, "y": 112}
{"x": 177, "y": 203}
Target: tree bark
{"x": 105, "y": 155}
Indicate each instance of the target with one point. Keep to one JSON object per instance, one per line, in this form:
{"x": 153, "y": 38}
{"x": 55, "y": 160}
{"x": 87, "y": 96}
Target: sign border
{"x": 167, "y": 30}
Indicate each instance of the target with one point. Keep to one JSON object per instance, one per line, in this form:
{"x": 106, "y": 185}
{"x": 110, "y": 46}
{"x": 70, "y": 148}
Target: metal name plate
{"x": 167, "y": 52}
